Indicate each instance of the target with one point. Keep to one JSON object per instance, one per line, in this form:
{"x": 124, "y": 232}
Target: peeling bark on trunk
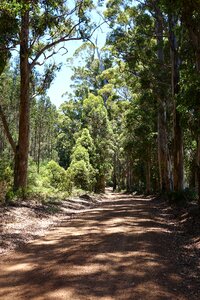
{"x": 21, "y": 157}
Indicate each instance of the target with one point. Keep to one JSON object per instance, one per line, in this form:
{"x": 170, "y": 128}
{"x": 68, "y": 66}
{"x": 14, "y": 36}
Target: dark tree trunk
{"x": 128, "y": 176}
{"x": 21, "y": 157}
{"x": 100, "y": 184}
{"x": 193, "y": 29}
{"x": 148, "y": 177}
{"x": 178, "y": 134}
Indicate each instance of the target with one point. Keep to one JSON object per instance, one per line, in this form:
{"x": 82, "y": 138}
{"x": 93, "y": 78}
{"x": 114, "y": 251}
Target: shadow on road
{"x": 124, "y": 249}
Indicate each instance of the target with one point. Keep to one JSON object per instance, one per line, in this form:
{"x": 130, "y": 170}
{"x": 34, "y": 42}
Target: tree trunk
{"x": 100, "y": 184}
{"x": 178, "y": 134}
{"x": 163, "y": 152}
{"x": 163, "y": 155}
{"x": 148, "y": 172}
{"x": 198, "y": 138}
{"x": 115, "y": 172}
{"x": 39, "y": 151}
{"x": 21, "y": 157}
{"x": 194, "y": 34}
{"x": 128, "y": 176}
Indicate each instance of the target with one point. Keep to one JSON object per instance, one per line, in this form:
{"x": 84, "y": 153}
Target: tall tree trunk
{"x": 148, "y": 172}
{"x": 128, "y": 175}
{"x": 102, "y": 68}
{"x": 188, "y": 11}
{"x": 163, "y": 152}
{"x": 22, "y": 149}
{"x": 178, "y": 134}
{"x": 198, "y": 137}
{"x": 115, "y": 172}
{"x": 39, "y": 151}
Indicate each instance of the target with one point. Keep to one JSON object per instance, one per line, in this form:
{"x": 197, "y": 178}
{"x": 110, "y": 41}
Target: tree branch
{"x": 65, "y": 38}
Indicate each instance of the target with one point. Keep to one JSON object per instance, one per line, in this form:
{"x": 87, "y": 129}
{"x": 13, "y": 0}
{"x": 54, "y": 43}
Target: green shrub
{"x": 182, "y": 197}
{"x": 80, "y": 153}
{"x": 81, "y": 174}
{"x": 32, "y": 173}
{"x": 6, "y": 180}
{"x": 57, "y": 176}
{"x": 80, "y": 171}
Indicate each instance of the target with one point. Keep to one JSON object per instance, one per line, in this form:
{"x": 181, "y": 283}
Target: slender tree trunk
{"x": 178, "y": 134}
{"x": 39, "y": 151}
{"x": 128, "y": 175}
{"x": 22, "y": 149}
{"x": 163, "y": 152}
{"x": 115, "y": 172}
{"x": 148, "y": 172}
{"x": 194, "y": 34}
{"x": 102, "y": 68}
{"x": 198, "y": 138}
{"x": 163, "y": 155}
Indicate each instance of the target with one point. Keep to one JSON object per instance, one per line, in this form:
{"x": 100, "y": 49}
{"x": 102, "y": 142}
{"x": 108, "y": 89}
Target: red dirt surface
{"x": 129, "y": 248}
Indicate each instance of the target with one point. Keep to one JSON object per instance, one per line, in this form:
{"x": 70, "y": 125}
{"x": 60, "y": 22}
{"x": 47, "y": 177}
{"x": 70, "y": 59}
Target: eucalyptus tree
{"x": 190, "y": 15}
{"x": 96, "y": 120}
{"x": 87, "y": 75}
{"x": 184, "y": 31}
{"x": 97, "y": 74}
{"x": 81, "y": 172}
{"x": 42, "y": 27}
{"x": 137, "y": 38}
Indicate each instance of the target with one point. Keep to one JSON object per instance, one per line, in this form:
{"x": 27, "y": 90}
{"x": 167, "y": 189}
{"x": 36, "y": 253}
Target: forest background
{"x": 131, "y": 118}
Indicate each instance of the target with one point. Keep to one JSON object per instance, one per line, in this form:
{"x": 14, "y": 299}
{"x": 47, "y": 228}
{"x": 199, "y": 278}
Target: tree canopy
{"x": 131, "y": 119}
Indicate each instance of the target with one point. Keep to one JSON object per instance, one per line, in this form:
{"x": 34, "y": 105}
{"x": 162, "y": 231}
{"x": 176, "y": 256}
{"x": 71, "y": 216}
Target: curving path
{"x": 124, "y": 249}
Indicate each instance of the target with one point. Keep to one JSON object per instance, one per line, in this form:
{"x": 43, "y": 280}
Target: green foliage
{"x": 57, "y": 176}
{"x": 51, "y": 179}
{"x": 69, "y": 122}
{"x": 80, "y": 170}
{"x": 86, "y": 141}
{"x": 107, "y": 129}
{"x": 6, "y": 175}
{"x": 181, "y": 198}
{"x": 81, "y": 174}
{"x": 8, "y": 34}
{"x": 96, "y": 119}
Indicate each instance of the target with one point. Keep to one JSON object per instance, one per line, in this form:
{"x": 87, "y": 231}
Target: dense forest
{"x": 132, "y": 117}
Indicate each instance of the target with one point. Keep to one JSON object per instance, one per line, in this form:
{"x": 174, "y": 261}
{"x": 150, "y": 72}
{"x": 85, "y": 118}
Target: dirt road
{"x": 125, "y": 249}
